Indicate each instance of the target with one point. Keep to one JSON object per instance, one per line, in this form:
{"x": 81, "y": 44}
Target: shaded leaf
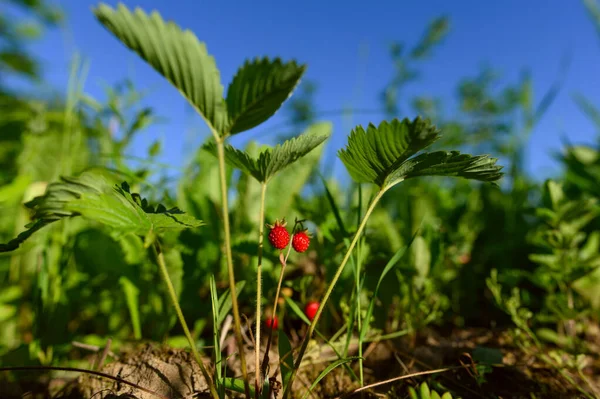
{"x": 131, "y": 297}
{"x": 176, "y": 54}
{"x": 327, "y": 370}
{"x": 258, "y": 90}
{"x": 388, "y": 267}
{"x": 225, "y": 302}
{"x": 286, "y": 358}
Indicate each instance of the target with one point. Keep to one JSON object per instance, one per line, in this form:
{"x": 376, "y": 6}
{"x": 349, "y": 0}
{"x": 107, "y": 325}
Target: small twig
{"x": 250, "y": 341}
{"x": 92, "y": 348}
{"x": 399, "y": 360}
{"x": 102, "y": 358}
{"x": 78, "y": 370}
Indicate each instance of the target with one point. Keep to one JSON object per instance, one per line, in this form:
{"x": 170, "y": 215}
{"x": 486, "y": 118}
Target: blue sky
{"x": 345, "y": 44}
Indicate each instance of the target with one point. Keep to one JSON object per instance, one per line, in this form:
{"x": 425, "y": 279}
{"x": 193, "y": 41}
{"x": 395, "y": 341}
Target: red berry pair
{"x": 279, "y": 237}
{"x": 272, "y": 323}
{"x": 310, "y": 310}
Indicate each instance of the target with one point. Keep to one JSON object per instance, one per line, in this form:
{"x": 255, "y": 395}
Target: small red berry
{"x": 301, "y": 241}
{"x": 272, "y": 323}
{"x": 310, "y": 310}
{"x": 279, "y": 237}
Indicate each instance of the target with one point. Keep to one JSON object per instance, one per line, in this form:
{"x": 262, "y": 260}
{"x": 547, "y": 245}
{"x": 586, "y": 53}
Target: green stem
{"x": 234, "y": 301}
{"x": 261, "y": 224}
{"x": 283, "y": 262}
{"x": 160, "y": 259}
{"x": 325, "y": 298}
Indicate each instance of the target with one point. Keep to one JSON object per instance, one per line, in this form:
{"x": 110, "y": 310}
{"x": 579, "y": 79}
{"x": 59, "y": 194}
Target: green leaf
{"x": 131, "y": 296}
{"x": 383, "y": 155}
{"x": 388, "y": 267}
{"x": 489, "y": 356}
{"x": 94, "y": 196}
{"x": 334, "y": 207}
{"x": 327, "y": 370}
{"x": 449, "y": 163}
{"x": 286, "y": 358}
{"x": 214, "y": 301}
{"x": 373, "y": 154}
{"x": 424, "y": 391}
{"x": 273, "y": 160}
{"x": 176, "y": 54}
{"x": 296, "y": 309}
{"x": 235, "y": 384}
{"x": 258, "y": 90}
{"x": 225, "y": 302}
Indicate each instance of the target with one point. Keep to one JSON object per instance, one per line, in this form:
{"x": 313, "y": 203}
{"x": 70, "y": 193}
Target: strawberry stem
{"x": 228, "y": 255}
{"x": 261, "y": 223}
{"x": 325, "y": 298}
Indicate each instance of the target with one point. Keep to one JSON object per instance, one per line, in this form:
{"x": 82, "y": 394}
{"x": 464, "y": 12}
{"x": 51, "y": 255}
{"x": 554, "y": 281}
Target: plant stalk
{"x": 160, "y": 259}
{"x": 283, "y": 261}
{"x": 325, "y": 298}
{"x": 261, "y": 233}
{"x": 234, "y": 301}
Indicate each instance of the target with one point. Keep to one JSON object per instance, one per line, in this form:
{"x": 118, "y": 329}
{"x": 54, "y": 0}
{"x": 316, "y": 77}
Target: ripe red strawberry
{"x": 310, "y": 310}
{"x": 279, "y": 237}
{"x": 272, "y": 323}
{"x": 301, "y": 241}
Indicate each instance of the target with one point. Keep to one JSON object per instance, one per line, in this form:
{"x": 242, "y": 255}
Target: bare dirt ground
{"x": 152, "y": 371}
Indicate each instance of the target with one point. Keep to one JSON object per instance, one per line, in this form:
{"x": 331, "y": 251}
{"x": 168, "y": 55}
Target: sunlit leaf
{"x": 94, "y": 196}
{"x": 176, "y": 54}
{"x": 373, "y": 154}
{"x": 449, "y": 163}
{"x": 386, "y": 155}
{"x": 273, "y": 160}
{"x": 258, "y": 90}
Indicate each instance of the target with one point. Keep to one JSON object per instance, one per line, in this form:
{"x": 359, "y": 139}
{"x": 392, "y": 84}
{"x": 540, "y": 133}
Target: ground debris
{"x": 171, "y": 373}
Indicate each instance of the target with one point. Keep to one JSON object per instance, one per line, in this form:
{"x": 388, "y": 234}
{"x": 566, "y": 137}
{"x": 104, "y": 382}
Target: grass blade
{"x": 328, "y": 370}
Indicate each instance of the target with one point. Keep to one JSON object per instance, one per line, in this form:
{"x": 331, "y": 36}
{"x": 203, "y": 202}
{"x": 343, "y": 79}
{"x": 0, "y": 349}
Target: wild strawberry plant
{"x": 382, "y": 155}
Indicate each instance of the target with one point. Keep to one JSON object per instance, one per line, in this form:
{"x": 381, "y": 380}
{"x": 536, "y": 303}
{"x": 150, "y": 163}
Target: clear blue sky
{"x": 329, "y": 36}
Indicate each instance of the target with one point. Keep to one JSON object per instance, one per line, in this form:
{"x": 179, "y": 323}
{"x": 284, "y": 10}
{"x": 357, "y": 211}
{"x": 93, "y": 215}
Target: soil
{"x": 172, "y": 373}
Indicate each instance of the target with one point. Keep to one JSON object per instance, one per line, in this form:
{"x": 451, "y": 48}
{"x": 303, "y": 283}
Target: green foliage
{"x": 382, "y": 155}
{"x": 258, "y": 90}
{"x": 93, "y": 197}
{"x": 255, "y": 94}
{"x": 424, "y": 392}
{"x": 176, "y": 54}
{"x": 327, "y": 370}
{"x": 286, "y": 357}
{"x": 89, "y": 277}
{"x": 272, "y": 161}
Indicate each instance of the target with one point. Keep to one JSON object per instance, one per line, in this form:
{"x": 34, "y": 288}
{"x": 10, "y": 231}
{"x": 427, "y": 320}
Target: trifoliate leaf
{"x": 385, "y": 155}
{"x": 273, "y": 160}
{"x": 94, "y": 196}
{"x": 373, "y": 154}
{"x": 176, "y": 54}
{"x": 258, "y": 90}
